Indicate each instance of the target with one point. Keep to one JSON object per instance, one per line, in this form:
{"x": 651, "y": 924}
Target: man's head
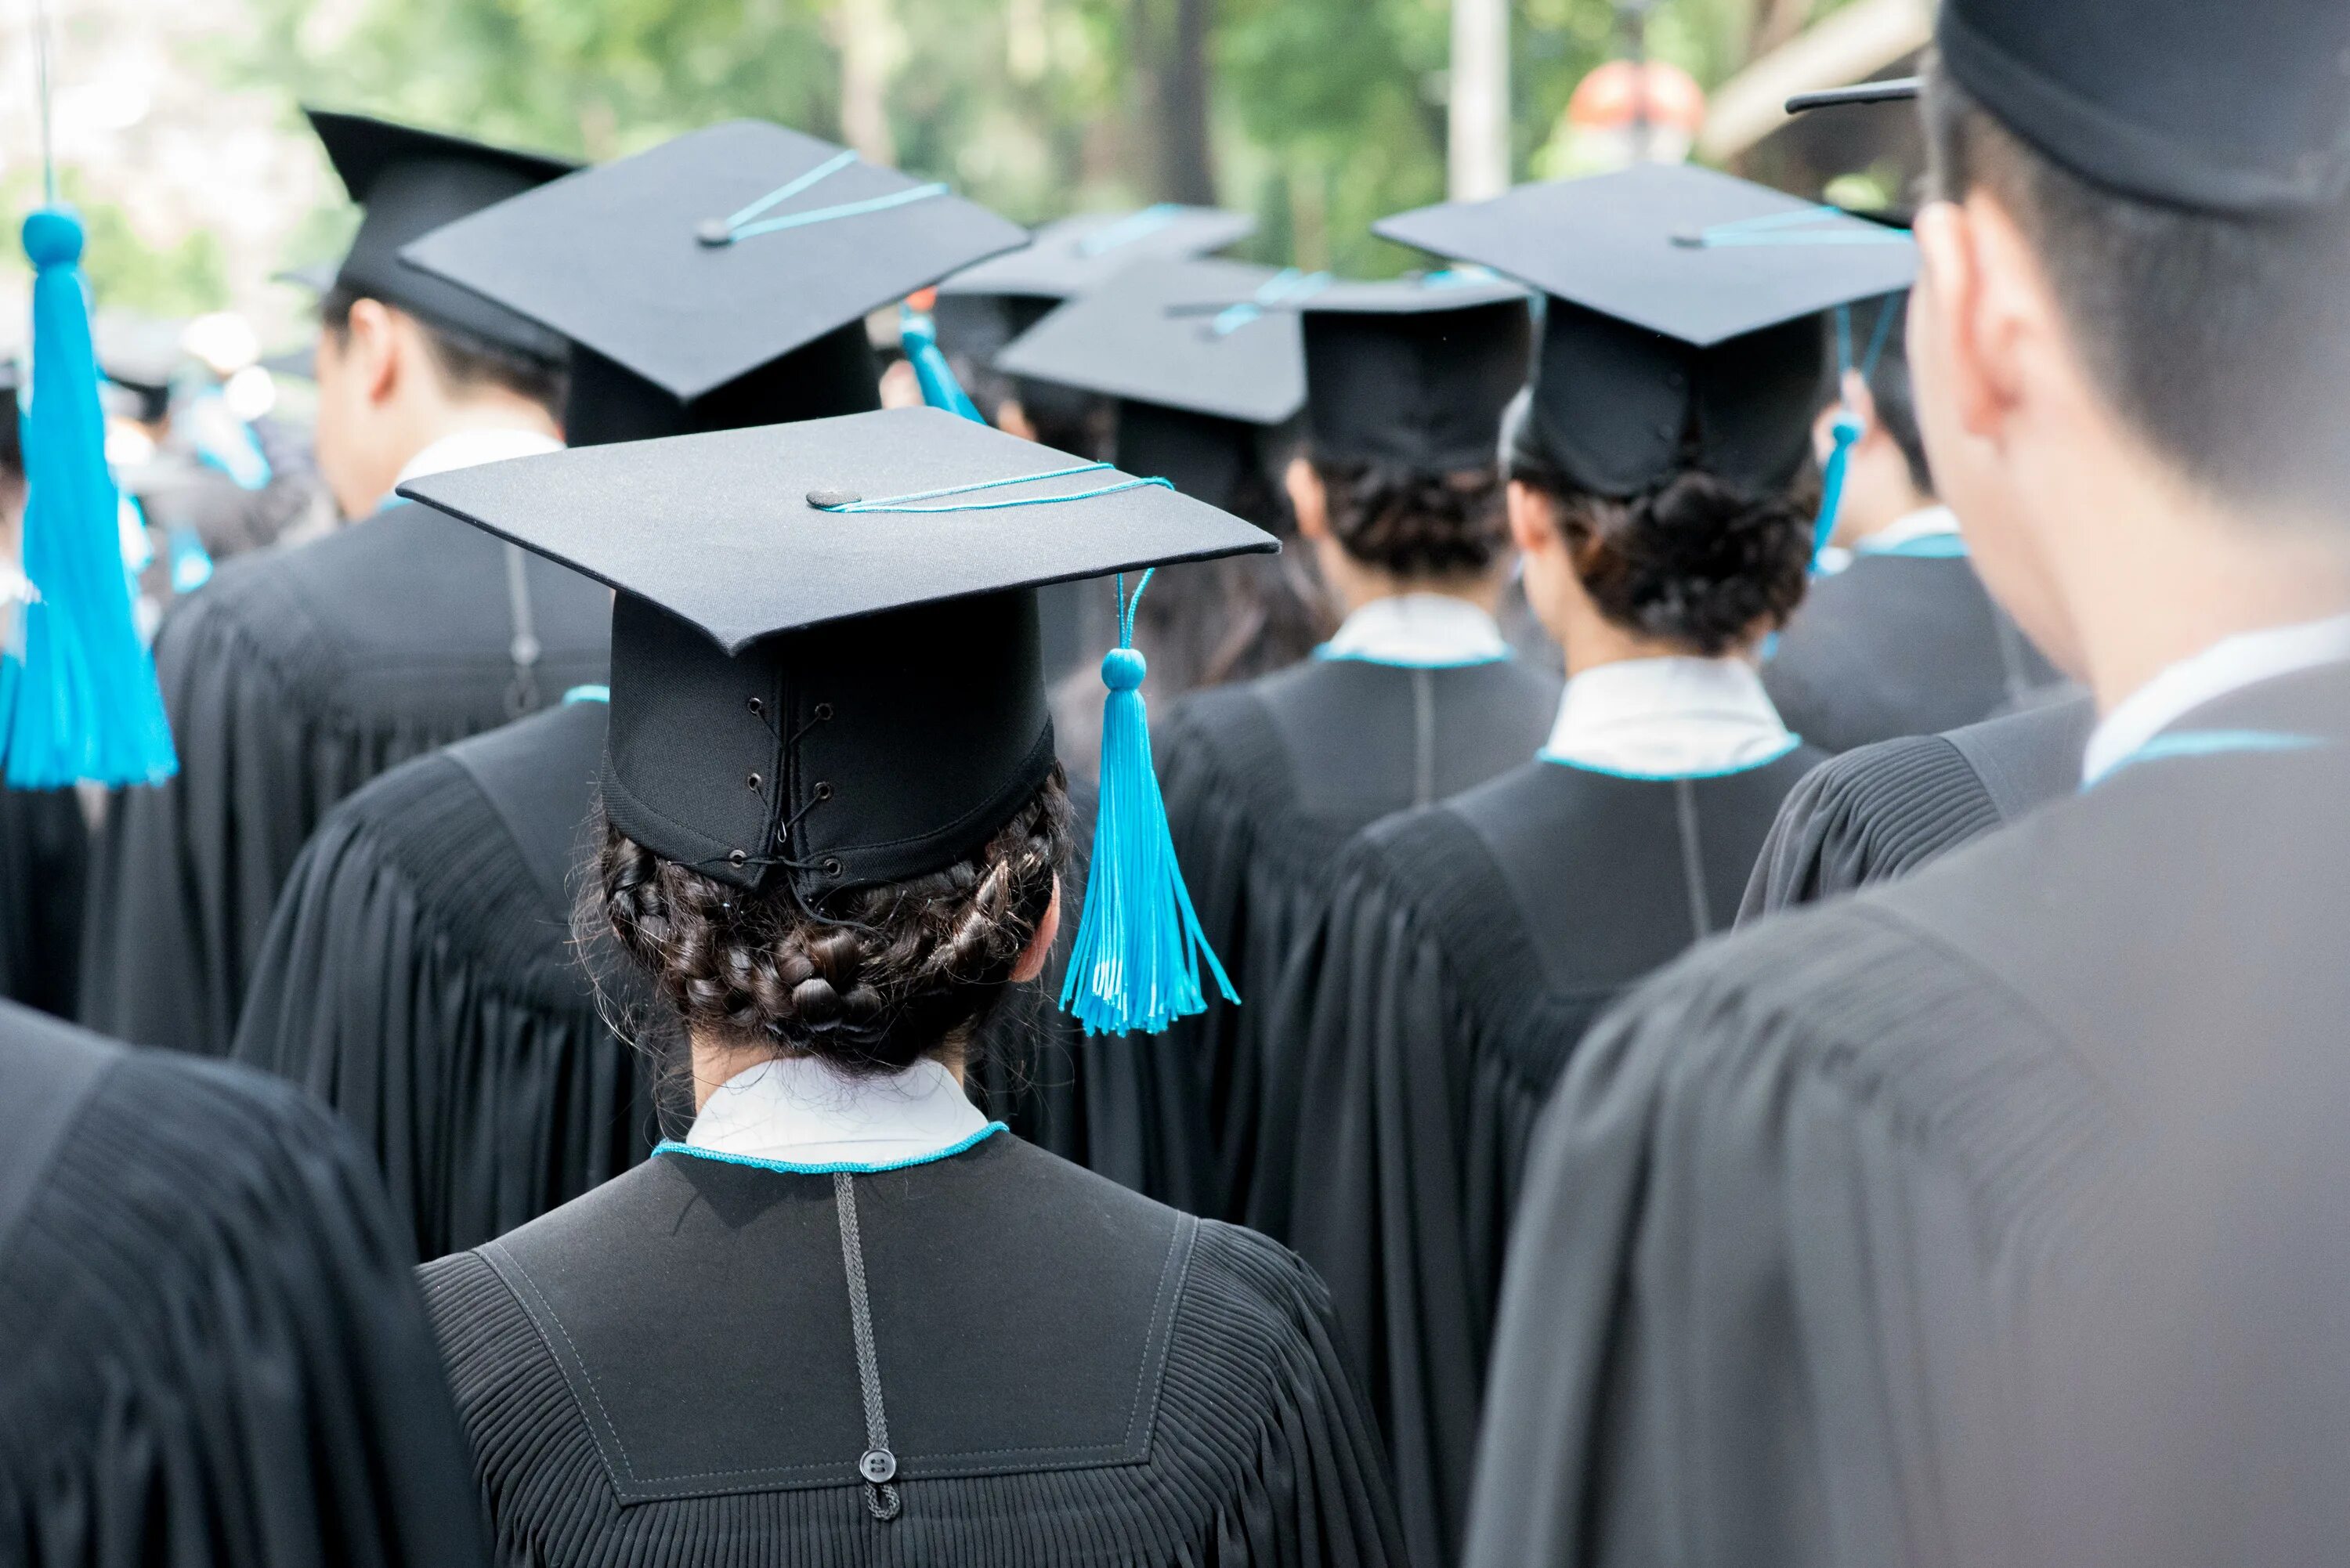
{"x": 2097, "y": 362}
{"x": 390, "y": 386}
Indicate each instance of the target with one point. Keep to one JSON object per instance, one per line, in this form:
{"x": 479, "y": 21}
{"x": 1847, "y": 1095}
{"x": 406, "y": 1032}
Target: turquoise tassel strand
{"x": 1136, "y": 962}
{"x": 86, "y": 707}
{"x": 918, "y": 335}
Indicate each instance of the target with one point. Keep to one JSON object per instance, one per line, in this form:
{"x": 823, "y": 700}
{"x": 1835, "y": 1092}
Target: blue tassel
{"x": 1136, "y": 962}
{"x": 1844, "y": 432}
{"x": 86, "y": 707}
{"x": 919, "y": 337}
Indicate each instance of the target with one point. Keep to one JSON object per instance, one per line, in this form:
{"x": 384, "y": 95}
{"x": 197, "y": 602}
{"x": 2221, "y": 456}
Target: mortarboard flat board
{"x": 408, "y": 181}
{"x": 850, "y": 696}
{"x": 1684, "y": 327}
{"x": 1075, "y": 256}
{"x": 714, "y": 254}
{"x": 1142, "y": 337}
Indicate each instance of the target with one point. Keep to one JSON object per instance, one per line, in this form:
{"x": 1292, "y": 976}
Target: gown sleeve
{"x": 218, "y": 1357}
{"x": 187, "y": 871}
{"x": 1866, "y": 817}
{"x": 412, "y": 980}
{"x": 43, "y": 878}
{"x": 1764, "y": 1302}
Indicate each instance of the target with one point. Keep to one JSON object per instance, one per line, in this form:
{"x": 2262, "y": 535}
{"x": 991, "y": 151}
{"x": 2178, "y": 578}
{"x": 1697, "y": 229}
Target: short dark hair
{"x": 1896, "y": 404}
{"x": 2223, "y": 341}
{"x": 463, "y": 361}
{"x": 1414, "y": 523}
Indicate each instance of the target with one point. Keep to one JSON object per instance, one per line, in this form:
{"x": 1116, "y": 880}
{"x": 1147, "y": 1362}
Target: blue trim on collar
{"x": 1547, "y": 755}
{"x": 2207, "y": 743}
{"x": 832, "y": 1168}
{"x": 1327, "y": 657}
{"x": 1925, "y": 548}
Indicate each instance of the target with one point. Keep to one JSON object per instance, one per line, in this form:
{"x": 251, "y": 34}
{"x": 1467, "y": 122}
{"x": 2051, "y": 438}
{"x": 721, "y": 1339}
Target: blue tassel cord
{"x": 1135, "y": 965}
{"x": 919, "y": 337}
{"x": 86, "y": 707}
{"x": 1846, "y": 433}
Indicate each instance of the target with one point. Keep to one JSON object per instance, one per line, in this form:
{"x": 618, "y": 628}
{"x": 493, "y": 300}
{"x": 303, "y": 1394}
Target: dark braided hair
{"x": 871, "y": 985}
{"x": 1412, "y": 523}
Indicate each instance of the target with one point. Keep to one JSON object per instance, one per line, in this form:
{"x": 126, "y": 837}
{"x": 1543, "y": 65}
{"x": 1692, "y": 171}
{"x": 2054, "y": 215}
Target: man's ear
{"x": 375, "y": 348}
{"x": 1308, "y": 498}
{"x": 1983, "y": 302}
{"x": 1040, "y": 947}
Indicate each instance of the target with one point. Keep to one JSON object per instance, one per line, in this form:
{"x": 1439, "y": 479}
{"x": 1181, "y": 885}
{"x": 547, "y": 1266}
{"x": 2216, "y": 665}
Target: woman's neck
{"x": 1356, "y": 583}
{"x": 717, "y": 1059}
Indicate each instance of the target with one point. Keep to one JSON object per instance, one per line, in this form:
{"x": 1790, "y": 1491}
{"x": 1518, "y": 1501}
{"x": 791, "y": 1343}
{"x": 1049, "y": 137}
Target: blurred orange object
{"x": 1621, "y": 91}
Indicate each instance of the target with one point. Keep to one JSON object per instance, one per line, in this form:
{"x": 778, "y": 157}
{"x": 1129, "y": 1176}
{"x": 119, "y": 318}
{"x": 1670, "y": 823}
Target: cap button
{"x": 1689, "y": 239}
{"x": 714, "y": 233}
{"x": 827, "y": 500}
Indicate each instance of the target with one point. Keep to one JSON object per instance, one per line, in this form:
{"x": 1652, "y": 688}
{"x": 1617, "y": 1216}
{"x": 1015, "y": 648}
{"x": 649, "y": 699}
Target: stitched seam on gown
{"x": 496, "y": 1255}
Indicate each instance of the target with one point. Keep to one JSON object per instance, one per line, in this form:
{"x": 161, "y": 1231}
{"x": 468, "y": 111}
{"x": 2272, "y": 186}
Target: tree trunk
{"x": 1172, "y": 35}
{"x": 1477, "y": 112}
{"x": 864, "y": 33}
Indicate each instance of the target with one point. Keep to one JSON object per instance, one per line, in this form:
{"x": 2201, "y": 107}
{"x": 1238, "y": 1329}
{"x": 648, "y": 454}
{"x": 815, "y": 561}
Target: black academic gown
{"x": 1264, "y": 782}
{"x": 420, "y": 977}
{"x": 44, "y": 873}
{"x": 665, "y": 1371}
{"x": 1912, "y": 1228}
{"x": 215, "y": 1354}
{"x": 1888, "y": 808}
{"x": 295, "y": 677}
{"x": 1464, "y": 950}
{"x": 1898, "y": 645}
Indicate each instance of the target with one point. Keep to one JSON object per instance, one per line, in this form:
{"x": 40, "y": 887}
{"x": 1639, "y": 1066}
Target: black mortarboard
{"x": 982, "y": 308}
{"x": 1143, "y": 336}
{"x": 1683, "y": 329}
{"x": 1231, "y": 463}
{"x": 139, "y": 357}
{"x": 2239, "y": 108}
{"x": 411, "y": 182}
{"x": 714, "y": 254}
{"x": 1414, "y": 372}
{"x": 850, "y": 696}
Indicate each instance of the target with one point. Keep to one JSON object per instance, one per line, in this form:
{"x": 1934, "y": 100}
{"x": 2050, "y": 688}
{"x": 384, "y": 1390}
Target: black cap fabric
{"x": 411, "y": 182}
{"x": 840, "y": 697}
{"x": 675, "y": 263}
{"x": 607, "y": 402}
{"x": 1229, "y": 463}
{"x": 1684, "y": 329}
{"x": 1413, "y": 373}
{"x": 2239, "y": 108}
{"x": 1074, "y": 256}
{"x": 1143, "y": 336}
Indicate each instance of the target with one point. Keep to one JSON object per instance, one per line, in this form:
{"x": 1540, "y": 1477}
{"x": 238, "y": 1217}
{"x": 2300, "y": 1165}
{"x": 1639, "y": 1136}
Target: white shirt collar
{"x": 2228, "y": 665}
{"x": 1419, "y": 632}
{"x": 472, "y": 447}
{"x": 1668, "y": 719}
{"x": 799, "y": 1110}
{"x": 1926, "y": 523}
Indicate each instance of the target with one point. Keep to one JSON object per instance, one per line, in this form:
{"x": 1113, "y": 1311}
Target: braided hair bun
{"x": 1414, "y": 525}
{"x": 1693, "y": 562}
{"x": 871, "y": 984}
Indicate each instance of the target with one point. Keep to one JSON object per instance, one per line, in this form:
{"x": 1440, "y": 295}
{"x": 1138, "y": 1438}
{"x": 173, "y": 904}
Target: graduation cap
{"x": 825, "y": 658}
{"x": 139, "y": 358}
{"x": 1203, "y": 396}
{"x": 1414, "y": 372}
{"x": 1684, "y": 329}
{"x": 411, "y": 182}
{"x": 982, "y": 308}
{"x": 700, "y": 261}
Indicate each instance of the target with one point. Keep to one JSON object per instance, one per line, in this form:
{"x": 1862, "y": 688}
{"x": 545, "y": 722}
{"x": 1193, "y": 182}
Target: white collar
{"x": 1668, "y": 719}
{"x": 1419, "y": 632}
{"x": 2228, "y": 665}
{"x": 472, "y": 447}
{"x": 1926, "y": 523}
{"x": 799, "y": 1110}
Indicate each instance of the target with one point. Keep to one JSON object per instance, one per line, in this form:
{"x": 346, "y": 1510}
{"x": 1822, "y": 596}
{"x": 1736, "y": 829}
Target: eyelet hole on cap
{"x": 831, "y": 866}
{"x": 753, "y": 781}
{"x": 737, "y": 858}
{"x": 758, "y": 709}
{"x": 823, "y": 713}
{"x": 823, "y": 791}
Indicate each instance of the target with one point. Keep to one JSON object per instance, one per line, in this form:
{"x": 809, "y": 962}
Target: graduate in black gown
{"x": 1900, "y": 639}
{"x": 1886, "y": 809}
{"x": 846, "y": 1317}
{"x": 1415, "y": 697}
{"x": 299, "y": 674}
{"x": 1466, "y": 946}
{"x": 1993, "y": 1215}
{"x": 420, "y": 974}
{"x": 44, "y": 842}
{"x": 216, "y": 1355}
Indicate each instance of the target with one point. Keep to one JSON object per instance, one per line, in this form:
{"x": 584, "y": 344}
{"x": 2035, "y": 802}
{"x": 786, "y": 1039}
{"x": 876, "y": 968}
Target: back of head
{"x": 467, "y": 365}
{"x": 2183, "y": 176}
{"x": 1896, "y": 403}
